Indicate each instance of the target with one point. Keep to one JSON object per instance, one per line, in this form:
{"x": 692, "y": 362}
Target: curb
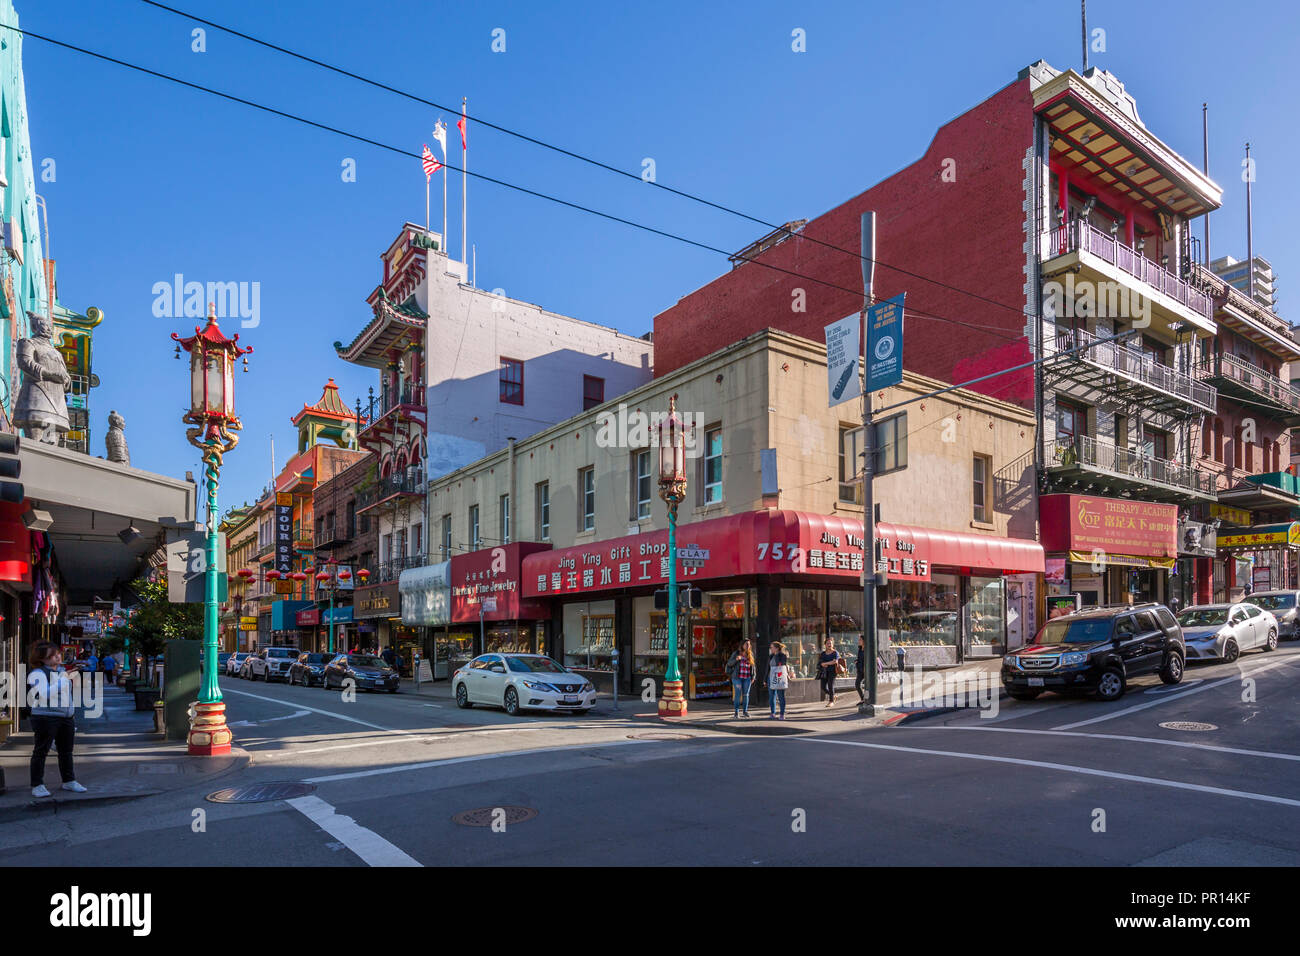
{"x": 55, "y": 804}
{"x": 915, "y": 716}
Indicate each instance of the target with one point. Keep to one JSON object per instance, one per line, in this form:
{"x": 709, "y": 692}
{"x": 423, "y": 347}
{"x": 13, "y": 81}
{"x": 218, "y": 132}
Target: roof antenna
{"x": 1084, "y": 4}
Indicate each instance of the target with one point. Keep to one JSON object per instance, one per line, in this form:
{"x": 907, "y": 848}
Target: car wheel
{"x": 512, "y": 702}
{"x": 462, "y": 697}
{"x": 1272, "y": 640}
{"x": 1023, "y": 694}
{"x": 1172, "y": 672}
{"x": 1111, "y": 685}
{"x": 1231, "y": 651}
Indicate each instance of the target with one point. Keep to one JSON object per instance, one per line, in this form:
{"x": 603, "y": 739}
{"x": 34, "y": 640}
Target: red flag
{"x": 431, "y": 165}
{"x": 460, "y": 125}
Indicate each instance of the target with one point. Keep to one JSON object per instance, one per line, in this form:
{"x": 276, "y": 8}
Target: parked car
{"x": 270, "y": 663}
{"x": 1282, "y": 605}
{"x": 368, "y": 671}
{"x": 520, "y": 682}
{"x": 1098, "y": 650}
{"x": 222, "y": 658}
{"x": 309, "y": 669}
{"x": 1223, "y": 631}
{"x": 235, "y": 662}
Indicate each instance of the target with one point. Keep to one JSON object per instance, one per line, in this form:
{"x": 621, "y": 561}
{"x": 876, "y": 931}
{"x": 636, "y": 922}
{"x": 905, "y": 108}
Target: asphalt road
{"x": 1054, "y": 781}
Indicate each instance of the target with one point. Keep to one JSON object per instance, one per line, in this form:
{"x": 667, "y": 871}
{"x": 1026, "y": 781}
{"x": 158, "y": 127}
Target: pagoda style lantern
{"x": 213, "y": 423}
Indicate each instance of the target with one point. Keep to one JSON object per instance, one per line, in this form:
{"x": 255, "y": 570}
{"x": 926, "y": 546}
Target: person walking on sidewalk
{"x": 740, "y": 668}
{"x": 778, "y": 677}
{"x": 861, "y": 668}
{"x": 52, "y": 708}
{"x": 110, "y": 665}
{"x": 829, "y": 661}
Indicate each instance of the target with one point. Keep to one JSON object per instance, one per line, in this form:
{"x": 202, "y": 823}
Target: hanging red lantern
{"x": 273, "y": 575}
{"x": 299, "y": 576}
{"x": 364, "y": 575}
{"x": 245, "y": 573}
{"x": 323, "y": 577}
{"x": 345, "y": 575}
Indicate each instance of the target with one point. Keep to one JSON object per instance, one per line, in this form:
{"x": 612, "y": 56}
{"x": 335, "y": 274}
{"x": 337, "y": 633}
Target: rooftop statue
{"x": 41, "y": 412}
{"x": 115, "y": 439}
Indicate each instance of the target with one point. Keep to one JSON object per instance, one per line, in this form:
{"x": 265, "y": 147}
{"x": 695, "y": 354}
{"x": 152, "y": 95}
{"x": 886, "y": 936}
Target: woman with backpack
{"x": 52, "y": 705}
{"x": 778, "y": 677}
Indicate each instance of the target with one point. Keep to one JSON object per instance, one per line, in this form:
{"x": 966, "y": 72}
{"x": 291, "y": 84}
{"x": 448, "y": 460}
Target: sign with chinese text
{"x": 1109, "y": 526}
{"x": 494, "y": 575}
{"x": 283, "y": 533}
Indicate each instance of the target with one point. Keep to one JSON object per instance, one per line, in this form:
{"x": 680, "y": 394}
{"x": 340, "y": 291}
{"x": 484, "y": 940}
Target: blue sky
{"x": 154, "y": 179}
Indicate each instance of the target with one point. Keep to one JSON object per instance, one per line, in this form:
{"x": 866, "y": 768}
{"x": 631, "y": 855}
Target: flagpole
{"x": 426, "y": 203}
{"x": 444, "y": 198}
{"x": 464, "y": 184}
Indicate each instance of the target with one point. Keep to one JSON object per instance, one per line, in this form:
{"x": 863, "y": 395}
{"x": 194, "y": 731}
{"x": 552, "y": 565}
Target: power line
{"x": 988, "y": 330}
{"x": 1019, "y": 310}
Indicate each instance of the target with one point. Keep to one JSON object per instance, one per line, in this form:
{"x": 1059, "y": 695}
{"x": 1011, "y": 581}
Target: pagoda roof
{"x": 392, "y": 328}
{"x": 329, "y": 406}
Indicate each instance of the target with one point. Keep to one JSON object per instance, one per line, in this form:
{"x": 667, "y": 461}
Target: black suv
{"x": 1098, "y": 650}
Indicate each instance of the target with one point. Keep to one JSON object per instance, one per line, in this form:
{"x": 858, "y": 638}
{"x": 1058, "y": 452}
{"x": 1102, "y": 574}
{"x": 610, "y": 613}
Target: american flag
{"x": 431, "y": 165}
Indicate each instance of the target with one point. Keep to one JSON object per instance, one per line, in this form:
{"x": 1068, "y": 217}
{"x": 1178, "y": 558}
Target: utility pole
{"x": 868, "y": 707}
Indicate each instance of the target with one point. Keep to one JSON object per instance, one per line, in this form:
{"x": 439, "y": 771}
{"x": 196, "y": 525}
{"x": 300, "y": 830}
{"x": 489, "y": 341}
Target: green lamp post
{"x": 671, "y": 435}
{"x": 212, "y": 415}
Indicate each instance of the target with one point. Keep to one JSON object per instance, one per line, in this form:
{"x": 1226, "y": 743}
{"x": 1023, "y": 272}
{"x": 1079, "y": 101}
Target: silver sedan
{"x": 1282, "y": 605}
{"x": 1222, "y": 631}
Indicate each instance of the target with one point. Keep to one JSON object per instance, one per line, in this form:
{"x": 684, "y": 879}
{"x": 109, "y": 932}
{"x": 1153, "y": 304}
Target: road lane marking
{"x": 269, "y": 720}
{"x": 405, "y": 739}
{"x": 1236, "y": 678}
{"x": 317, "y": 710}
{"x": 1064, "y": 767}
{"x": 1271, "y": 754}
{"x": 1022, "y": 711}
{"x": 429, "y": 764}
{"x": 373, "y": 849}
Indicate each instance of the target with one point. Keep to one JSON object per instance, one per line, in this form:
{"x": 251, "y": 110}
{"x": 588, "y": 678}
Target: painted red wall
{"x": 967, "y": 233}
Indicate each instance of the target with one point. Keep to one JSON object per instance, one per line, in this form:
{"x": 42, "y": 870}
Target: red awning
{"x": 961, "y": 549}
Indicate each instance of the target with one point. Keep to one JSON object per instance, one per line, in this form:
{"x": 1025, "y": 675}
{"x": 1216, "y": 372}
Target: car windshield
{"x": 1272, "y": 602}
{"x": 317, "y": 658}
{"x": 1203, "y": 617}
{"x": 281, "y": 652}
{"x": 535, "y": 665}
{"x": 1086, "y": 631}
{"x": 365, "y": 660}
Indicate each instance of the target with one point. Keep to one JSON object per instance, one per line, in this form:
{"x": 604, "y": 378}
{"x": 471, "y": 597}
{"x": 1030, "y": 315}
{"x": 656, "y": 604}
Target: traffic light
{"x": 11, "y": 467}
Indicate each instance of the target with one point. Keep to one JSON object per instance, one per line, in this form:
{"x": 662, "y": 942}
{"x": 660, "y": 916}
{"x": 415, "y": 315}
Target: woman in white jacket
{"x": 53, "y": 704}
{"x": 778, "y": 677}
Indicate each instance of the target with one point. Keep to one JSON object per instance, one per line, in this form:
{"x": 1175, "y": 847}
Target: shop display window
{"x": 924, "y": 616}
{"x": 589, "y": 636}
{"x": 985, "y": 617}
{"x": 803, "y": 628}
{"x": 509, "y": 640}
{"x": 455, "y": 647}
{"x": 845, "y": 619}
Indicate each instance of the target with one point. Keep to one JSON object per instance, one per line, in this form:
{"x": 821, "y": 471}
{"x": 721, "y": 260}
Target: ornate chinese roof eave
{"x": 374, "y": 342}
{"x": 329, "y": 406}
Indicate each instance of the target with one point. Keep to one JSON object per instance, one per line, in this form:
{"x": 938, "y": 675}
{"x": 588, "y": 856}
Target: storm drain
{"x": 262, "y": 792}
{"x": 1188, "y": 725}
{"x": 659, "y": 735}
{"x": 487, "y": 816}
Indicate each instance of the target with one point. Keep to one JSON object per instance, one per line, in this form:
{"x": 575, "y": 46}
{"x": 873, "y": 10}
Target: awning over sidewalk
{"x": 425, "y": 595}
{"x": 1262, "y": 537}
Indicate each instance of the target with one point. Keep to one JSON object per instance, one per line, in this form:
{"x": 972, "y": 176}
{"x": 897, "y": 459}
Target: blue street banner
{"x": 885, "y": 343}
{"x": 842, "y": 350}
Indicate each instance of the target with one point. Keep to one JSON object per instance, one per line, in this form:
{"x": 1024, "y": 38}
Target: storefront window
{"x": 922, "y": 615}
{"x": 508, "y": 640}
{"x": 845, "y": 608}
{"x": 589, "y": 636}
{"x": 985, "y": 618}
{"x": 717, "y": 630}
{"x": 803, "y": 628}
{"x": 455, "y": 647}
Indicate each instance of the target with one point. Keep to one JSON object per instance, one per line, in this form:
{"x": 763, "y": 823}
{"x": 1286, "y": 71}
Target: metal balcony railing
{"x": 1138, "y": 367}
{"x": 390, "y": 570}
{"x": 1087, "y": 453}
{"x": 406, "y": 483}
{"x": 1252, "y": 378}
{"x": 1080, "y": 235}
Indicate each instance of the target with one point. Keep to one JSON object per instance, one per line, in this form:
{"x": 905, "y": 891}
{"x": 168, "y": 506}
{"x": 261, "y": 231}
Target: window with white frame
{"x": 504, "y": 518}
{"x": 712, "y": 465}
{"x": 642, "y": 483}
{"x": 474, "y": 541}
{"x": 446, "y": 537}
{"x": 980, "y": 467}
{"x": 543, "y": 511}
{"x": 587, "y": 499}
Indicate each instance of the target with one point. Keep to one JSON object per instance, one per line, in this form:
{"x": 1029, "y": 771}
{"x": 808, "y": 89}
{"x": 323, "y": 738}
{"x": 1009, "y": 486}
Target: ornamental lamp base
{"x": 209, "y": 735}
{"x": 673, "y": 702}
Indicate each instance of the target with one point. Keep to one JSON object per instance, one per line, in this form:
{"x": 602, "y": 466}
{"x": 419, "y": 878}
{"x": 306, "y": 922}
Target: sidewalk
{"x": 117, "y": 755}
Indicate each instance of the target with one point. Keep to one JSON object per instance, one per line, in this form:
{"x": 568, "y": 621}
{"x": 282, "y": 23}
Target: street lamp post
{"x": 212, "y": 415}
{"x": 671, "y": 435}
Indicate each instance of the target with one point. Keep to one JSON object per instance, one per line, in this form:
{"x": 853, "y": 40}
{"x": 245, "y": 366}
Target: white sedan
{"x": 520, "y": 682}
{"x": 1223, "y": 631}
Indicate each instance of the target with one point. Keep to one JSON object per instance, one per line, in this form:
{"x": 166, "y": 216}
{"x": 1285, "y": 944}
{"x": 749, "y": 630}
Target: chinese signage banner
{"x": 284, "y": 532}
{"x": 1109, "y": 525}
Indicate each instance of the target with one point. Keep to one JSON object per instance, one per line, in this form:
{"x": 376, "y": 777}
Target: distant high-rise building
{"x": 1236, "y": 273}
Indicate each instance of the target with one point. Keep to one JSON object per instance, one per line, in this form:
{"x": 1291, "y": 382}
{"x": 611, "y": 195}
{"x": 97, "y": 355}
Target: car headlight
{"x": 1012, "y": 661}
{"x": 587, "y": 686}
{"x": 1074, "y": 657}
{"x": 539, "y": 685}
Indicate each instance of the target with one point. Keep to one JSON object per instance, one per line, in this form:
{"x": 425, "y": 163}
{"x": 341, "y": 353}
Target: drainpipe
{"x": 514, "y": 514}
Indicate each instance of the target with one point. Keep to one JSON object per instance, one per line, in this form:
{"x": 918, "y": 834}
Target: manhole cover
{"x": 486, "y": 816}
{"x": 1187, "y": 725}
{"x": 659, "y": 735}
{"x": 262, "y": 792}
